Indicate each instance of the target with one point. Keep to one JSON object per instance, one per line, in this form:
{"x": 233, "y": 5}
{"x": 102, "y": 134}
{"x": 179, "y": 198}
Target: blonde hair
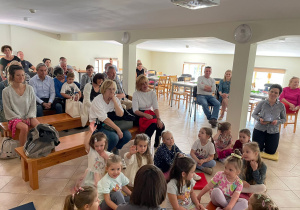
{"x": 147, "y": 154}
{"x": 236, "y": 159}
{"x": 139, "y": 81}
{"x": 291, "y": 80}
{"x": 113, "y": 159}
{"x": 225, "y": 75}
{"x": 262, "y": 202}
{"x": 106, "y": 84}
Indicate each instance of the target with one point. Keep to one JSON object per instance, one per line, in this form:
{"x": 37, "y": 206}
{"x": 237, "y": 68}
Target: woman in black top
{"x": 139, "y": 70}
{"x": 7, "y": 50}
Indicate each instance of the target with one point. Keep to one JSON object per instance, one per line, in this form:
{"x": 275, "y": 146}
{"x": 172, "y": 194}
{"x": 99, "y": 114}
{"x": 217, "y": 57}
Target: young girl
{"x": 180, "y": 185}
{"x": 85, "y": 198}
{"x": 261, "y": 202}
{"x": 254, "y": 170}
{"x": 244, "y": 137}
{"x": 138, "y": 156}
{"x": 110, "y": 187}
{"x": 229, "y": 185}
{"x": 96, "y": 148}
{"x": 223, "y": 140}
{"x": 203, "y": 151}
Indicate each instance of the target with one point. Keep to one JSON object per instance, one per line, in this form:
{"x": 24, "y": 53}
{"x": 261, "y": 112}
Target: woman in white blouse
{"x": 101, "y": 105}
{"x": 19, "y": 103}
{"x": 145, "y": 99}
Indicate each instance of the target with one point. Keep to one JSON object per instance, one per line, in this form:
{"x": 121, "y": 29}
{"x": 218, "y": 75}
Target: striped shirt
{"x": 269, "y": 113}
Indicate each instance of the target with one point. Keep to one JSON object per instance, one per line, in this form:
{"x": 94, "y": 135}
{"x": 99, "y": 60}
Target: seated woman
{"x": 269, "y": 113}
{"x": 149, "y": 191}
{"x": 87, "y": 77}
{"x": 101, "y": 105}
{"x": 47, "y": 61}
{"x": 224, "y": 89}
{"x": 91, "y": 90}
{"x": 143, "y": 100}
{"x": 19, "y": 103}
{"x": 290, "y": 96}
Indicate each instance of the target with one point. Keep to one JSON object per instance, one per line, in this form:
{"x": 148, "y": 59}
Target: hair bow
{"x": 236, "y": 155}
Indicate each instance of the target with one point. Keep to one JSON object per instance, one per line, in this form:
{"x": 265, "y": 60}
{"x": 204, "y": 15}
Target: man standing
{"x": 112, "y": 63}
{"x": 206, "y": 86}
{"x": 26, "y": 64}
{"x": 43, "y": 86}
{"x": 120, "y": 93}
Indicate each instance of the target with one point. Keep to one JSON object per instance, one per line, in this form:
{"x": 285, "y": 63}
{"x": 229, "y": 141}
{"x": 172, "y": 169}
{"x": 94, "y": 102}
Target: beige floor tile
{"x": 17, "y": 185}
{"x": 297, "y": 192}
{"x": 74, "y": 162}
{"x": 292, "y": 182}
{"x": 59, "y": 203}
{"x": 41, "y": 202}
{"x": 48, "y": 186}
{"x": 10, "y": 200}
{"x": 275, "y": 183}
{"x": 79, "y": 172}
{"x": 61, "y": 171}
{"x": 4, "y": 180}
{"x": 284, "y": 198}
{"x": 13, "y": 169}
{"x": 69, "y": 188}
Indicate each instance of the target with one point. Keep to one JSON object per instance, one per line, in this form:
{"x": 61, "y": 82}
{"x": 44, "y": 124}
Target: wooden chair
{"x": 177, "y": 93}
{"x": 252, "y": 105}
{"x": 169, "y": 85}
{"x": 161, "y": 84}
{"x": 289, "y": 120}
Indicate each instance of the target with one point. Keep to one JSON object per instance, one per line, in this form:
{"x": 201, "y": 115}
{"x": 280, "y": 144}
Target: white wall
{"x": 146, "y": 57}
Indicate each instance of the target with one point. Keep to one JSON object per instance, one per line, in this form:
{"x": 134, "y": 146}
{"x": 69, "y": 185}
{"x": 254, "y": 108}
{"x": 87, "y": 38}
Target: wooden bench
{"x": 70, "y": 147}
{"x": 59, "y": 121}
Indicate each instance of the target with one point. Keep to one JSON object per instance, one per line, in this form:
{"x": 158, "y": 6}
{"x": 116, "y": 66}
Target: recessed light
{"x": 32, "y": 11}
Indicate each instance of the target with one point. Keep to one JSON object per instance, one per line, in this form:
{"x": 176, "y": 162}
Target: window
{"x": 100, "y": 64}
{"x": 262, "y": 76}
{"x": 195, "y": 69}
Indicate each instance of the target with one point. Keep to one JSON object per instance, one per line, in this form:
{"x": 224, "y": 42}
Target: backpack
{"x": 8, "y": 148}
{"x": 41, "y": 140}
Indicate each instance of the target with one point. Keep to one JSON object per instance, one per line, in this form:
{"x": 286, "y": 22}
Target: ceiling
{"x": 77, "y": 16}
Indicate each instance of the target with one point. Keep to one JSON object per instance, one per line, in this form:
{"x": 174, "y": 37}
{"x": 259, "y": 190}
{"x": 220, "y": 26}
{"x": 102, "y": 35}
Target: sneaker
{"x": 123, "y": 164}
{"x": 196, "y": 177}
{"x": 214, "y": 123}
{"x": 207, "y": 170}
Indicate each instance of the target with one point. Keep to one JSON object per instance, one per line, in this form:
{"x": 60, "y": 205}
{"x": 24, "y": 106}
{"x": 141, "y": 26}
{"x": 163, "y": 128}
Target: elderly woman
{"x": 290, "y": 96}
{"x": 224, "y": 89}
{"x": 19, "y": 103}
{"x": 269, "y": 113}
{"x": 103, "y": 104}
{"x": 91, "y": 91}
{"x": 87, "y": 77}
{"x": 144, "y": 100}
{"x": 7, "y": 50}
{"x": 47, "y": 61}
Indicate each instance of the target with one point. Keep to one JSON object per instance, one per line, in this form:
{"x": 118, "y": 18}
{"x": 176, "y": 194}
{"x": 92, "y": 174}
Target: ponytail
{"x": 84, "y": 195}
{"x": 69, "y": 203}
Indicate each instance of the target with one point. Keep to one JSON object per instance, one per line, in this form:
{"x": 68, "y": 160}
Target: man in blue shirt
{"x": 26, "y": 64}
{"x": 43, "y": 86}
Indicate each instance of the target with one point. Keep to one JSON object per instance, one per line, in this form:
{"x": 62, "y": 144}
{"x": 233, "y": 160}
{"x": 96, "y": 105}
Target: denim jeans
{"x": 116, "y": 197}
{"x": 113, "y": 138}
{"x": 39, "y": 108}
{"x": 208, "y": 100}
{"x": 209, "y": 164}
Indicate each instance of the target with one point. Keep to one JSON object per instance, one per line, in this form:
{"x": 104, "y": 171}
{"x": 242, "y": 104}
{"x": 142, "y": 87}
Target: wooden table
{"x": 262, "y": 96}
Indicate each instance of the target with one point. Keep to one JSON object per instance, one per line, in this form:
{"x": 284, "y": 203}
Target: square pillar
{"x": 240, "y": 88}
{"x": 129, "y": 66}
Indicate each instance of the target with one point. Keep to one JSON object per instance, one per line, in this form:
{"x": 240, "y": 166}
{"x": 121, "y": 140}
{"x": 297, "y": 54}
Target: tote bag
{"x": 73, "y": 107}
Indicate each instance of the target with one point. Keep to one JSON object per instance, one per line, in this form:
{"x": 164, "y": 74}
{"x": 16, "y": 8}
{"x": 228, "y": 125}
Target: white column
{"x": 129, "y": 66}
{"x": 242, "y": 71}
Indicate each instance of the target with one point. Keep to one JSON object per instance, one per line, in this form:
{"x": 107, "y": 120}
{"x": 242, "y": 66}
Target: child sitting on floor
{"x": 254, "y": 170}
{"x": 180, "y": 185}
{"x": 244, "y": 137}
{"x": 138, "y": 156}
{"x": 229, "y": 185}
{"x": 261, "y": 202}
{"x": 223, "y": 141}
{"x": 203, "y": 151}
{"x": 70, "y": 89}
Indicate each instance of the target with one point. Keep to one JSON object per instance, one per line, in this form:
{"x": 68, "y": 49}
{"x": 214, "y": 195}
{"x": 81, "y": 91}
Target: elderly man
{"x": 26, "y": 64}
{"x": 120, "y": 93}
{"x": 105, "y": 69}
{"x": 43, "y": 86}
{"x": 206, "y": 86}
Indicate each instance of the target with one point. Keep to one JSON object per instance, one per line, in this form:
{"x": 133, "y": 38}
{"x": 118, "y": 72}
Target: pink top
{"x": 291, "y": 95}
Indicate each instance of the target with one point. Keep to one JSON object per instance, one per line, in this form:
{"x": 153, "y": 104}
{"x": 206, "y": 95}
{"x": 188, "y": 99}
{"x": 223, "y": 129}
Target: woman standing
{"x": 7, "y": 50}
{"x": 144, "y": 100}
{"x": 47, "y": 61}
{"x": 103, "y": 104}
{"x": 87, "y": 77}
{"x": 269, "y": 113}
{"x": 224, "y": 89}
{"x": 19, "y": 103}
{"x": 290, "y": 96}
{"x": 91, "y": 91}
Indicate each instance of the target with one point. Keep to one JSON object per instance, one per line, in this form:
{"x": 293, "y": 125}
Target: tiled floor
{"x": 283, "y": 176}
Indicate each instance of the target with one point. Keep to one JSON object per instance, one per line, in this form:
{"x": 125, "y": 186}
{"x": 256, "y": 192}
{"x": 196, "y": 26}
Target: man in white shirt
{"x": 206, "y": 86}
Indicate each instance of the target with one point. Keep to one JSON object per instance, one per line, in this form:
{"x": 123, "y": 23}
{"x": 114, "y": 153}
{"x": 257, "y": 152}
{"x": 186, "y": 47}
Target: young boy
{"x": 70, "y": 89}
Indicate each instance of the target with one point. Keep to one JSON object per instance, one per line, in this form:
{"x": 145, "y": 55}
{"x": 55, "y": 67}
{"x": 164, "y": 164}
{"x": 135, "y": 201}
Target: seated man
{"x": 206, "y": 86}
{"x": 59, "y": 80}
{"x": 67, "y": 68}
{"x": 120, "y": 93}
{"x": 26, "y": 64}
{"x": 43, "y": 86}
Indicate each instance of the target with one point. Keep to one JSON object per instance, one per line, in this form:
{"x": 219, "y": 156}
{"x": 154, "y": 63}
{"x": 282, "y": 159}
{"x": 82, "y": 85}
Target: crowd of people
{"x": 149, "y": 179}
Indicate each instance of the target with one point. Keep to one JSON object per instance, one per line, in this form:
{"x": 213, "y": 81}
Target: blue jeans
{"x": 208, "y": 100}
{"x": 39, "y": 108}
{"x": 113, "y": 138}
{"x": 116, "y": 197}
{"x": 209, "y": 164}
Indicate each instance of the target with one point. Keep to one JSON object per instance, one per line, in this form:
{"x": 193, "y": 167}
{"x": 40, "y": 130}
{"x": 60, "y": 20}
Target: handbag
{"x": 122, "y": 124}
{"x": 144, "y": 123}
{"x": 73, "y": 107}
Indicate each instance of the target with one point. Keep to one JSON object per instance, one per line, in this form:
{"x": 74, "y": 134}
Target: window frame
{"x": 200, "y": 67}
{"x": 102, "y": 64}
